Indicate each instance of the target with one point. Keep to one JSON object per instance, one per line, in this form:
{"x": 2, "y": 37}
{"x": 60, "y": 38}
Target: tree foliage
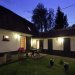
{"x": 61, "y": 20}
{"x": 45, "y": 20}
{"x": 50, "y": 19}
{"x": 42, "y": 18}
{"x": 39, "y": 17}
{"x": 65, "y": 21}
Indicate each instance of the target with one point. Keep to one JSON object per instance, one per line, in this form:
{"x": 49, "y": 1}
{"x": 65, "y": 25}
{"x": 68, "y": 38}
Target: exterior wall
{"x": 2, "y": 59}
{"x": 14, "y": 41}
{"x": 72, "y": 45}
{"x": 35, "y": 43}
{"x": 62, "y": 46}
{"x": 45, "y": 44}
{"x": 57, "y": 45}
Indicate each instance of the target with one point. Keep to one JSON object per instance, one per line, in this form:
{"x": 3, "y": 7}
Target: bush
{"x": 61, "y": 62}
{"x": 66, "y": 66}
{"x": 51, "y": 62}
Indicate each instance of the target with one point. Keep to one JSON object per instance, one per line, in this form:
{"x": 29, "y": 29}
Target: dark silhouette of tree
{"x": 59, "y": 21}
{"x": 45, "y": 20}
{"x": 42, "y": 18}
{"x": 39, "y": 17}
{"x": 50, "y": 19}
{"x": 65, "y": 22}
{"x": 73, "y": 26}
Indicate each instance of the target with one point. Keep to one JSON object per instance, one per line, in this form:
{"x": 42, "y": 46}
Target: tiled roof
{"x": 57, "y": 33}
{"x": 11, "y": 21}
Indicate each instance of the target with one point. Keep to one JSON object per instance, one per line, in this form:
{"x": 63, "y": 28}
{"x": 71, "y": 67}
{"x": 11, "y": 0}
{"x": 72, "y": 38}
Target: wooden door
{"x": 23, "y": 42}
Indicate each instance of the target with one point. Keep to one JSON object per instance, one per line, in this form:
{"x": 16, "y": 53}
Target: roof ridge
{"x": 14, "y": 13}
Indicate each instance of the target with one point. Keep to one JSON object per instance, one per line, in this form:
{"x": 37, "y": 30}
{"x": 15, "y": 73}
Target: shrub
{"x": 51, "y": 62}
{"x": 66, "y": 66}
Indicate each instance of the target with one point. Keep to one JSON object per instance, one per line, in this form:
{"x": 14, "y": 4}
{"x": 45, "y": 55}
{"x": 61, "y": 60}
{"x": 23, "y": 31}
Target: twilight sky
{"x": 24, "y": 7}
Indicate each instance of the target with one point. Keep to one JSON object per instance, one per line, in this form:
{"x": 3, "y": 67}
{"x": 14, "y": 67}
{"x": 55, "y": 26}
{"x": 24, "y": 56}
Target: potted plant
{"x": 51, "y": 63}
{"x": 66, "y": 66}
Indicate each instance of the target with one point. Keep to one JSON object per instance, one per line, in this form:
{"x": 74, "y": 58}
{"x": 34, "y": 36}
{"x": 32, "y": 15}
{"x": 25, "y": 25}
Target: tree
{"x": 65, "y": 22}
{"x": 50, "y": 19}
{"x": 73, "y": 26}
{"x": 39, "y": 17}
{"x": 59, "y": 20}
{"x": 42, "y": 18}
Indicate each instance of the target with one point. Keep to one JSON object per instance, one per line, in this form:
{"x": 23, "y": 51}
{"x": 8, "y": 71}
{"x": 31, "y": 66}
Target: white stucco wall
{"x": 72, "y": 43}
{"x": 35, "y": 43}
{"x": 38, "y": 44}
{"x": 12, "y": 45}
{"x": 45, "y": 44}
{"x": 57, "y": 45}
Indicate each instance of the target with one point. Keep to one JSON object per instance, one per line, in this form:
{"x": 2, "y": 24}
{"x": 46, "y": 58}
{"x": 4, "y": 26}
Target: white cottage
{"x": 15, "y": 33}
{"x": 58, "y": 42}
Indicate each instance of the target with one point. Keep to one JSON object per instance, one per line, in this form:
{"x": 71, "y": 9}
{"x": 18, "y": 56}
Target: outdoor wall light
{"x": 5, "y": 38}
{"x": 17, "y": 36}
{"x": 60, "y": 40}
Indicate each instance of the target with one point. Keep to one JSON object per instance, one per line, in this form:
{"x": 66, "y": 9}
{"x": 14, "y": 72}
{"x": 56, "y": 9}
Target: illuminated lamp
{"x": 60, "y": 40}
{"x": 5, "y": 38}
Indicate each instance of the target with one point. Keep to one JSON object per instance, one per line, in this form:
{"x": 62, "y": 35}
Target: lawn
{"x": 31, "y": 66}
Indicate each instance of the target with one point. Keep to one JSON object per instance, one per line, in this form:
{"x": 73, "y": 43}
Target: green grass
{"x": 39, "y": 66}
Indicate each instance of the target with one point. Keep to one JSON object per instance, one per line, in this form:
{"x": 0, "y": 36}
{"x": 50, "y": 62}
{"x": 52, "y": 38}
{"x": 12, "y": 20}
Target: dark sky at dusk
{"x": 24, "y": 7}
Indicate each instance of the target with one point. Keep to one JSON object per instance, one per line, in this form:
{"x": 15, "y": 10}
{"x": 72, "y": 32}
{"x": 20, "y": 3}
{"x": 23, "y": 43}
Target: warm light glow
{"x": 6, "y": 37}
{"x": 60, "y": 40}
{"x": 38, "y": 44}
{"x": 17, "y": 36}
{"x": 35, "y": 43}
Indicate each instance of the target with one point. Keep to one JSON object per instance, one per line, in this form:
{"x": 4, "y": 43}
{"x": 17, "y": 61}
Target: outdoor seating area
{"x": 15, "y": 56}
{"x": 34, "y": 52}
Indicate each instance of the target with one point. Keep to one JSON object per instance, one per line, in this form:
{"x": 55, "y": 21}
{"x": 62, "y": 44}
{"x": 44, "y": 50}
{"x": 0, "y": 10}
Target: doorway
{"x": 23, "y": 42}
